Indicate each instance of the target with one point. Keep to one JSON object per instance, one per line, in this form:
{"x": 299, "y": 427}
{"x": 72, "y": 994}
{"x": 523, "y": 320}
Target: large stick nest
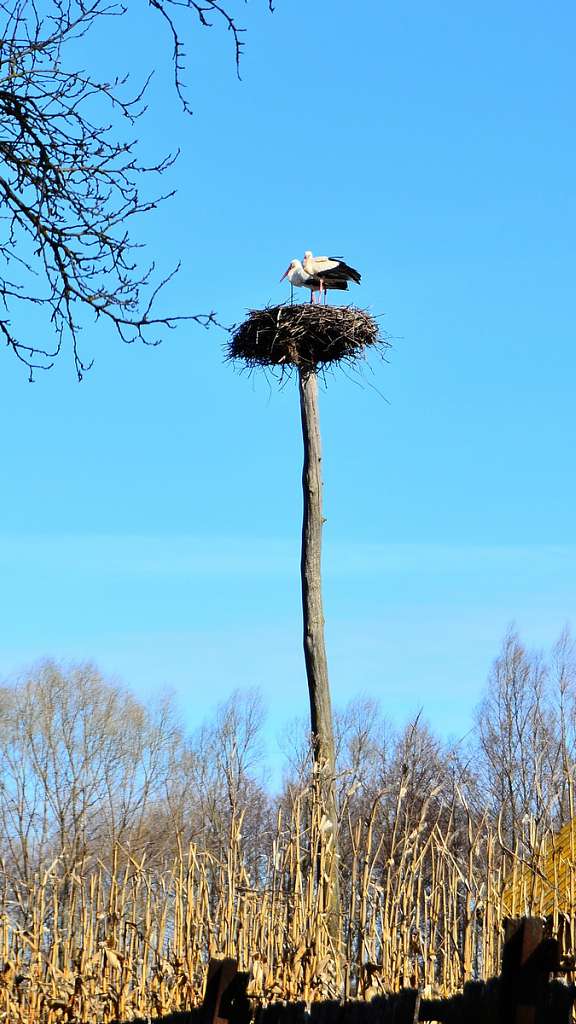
{"x": 307, "y": 336}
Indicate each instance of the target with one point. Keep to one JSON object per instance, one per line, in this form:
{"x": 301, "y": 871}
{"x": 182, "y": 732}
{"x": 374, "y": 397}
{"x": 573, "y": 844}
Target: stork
{"x": 299, "y": 277}
{"x": 331, "y": 271}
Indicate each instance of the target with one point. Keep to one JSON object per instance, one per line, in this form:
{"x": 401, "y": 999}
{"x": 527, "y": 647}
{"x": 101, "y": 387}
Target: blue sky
{"x": 151, "y": 514}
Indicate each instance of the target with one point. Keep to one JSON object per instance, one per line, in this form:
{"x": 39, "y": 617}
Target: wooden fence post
{"x": 225, "y": 996}
{"x": 527, "y": 961}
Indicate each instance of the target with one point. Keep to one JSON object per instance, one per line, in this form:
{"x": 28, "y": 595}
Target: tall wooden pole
{"x": 314, "y": 646}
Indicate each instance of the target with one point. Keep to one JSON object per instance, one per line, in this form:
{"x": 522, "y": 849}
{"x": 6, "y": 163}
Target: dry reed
{"x": 423, "y": 906}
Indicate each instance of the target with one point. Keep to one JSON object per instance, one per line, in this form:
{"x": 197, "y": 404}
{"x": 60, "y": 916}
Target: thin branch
{"x": 70, "y": 184}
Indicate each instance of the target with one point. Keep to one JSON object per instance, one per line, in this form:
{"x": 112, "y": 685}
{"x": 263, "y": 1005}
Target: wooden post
{"x": 406, "y": 1009}
{"x": 314, "y": 646}
{"x": 527, "y": 960}
{"x": 220, "y": 974}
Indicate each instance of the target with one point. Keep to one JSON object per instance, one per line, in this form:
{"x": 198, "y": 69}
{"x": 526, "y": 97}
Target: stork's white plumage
{"x": 331, "y": 271}
{"x": 297, "y": 275}
{"x": 300, "y": 279}
{"x": 317, "y": 264}
{"x": 335, "y": 276}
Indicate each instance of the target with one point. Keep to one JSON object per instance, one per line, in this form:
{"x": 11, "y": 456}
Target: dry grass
{"x": 307, "y": 336}
{"x": 545, "y": 881}
{"x": 128, "y": 943}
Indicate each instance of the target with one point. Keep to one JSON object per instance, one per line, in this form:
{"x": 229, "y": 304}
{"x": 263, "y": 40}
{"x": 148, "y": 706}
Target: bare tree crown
{"x": 71, "y": 185}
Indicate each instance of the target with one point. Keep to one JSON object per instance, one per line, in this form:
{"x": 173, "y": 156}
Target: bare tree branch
{"x": 69, "y": 184}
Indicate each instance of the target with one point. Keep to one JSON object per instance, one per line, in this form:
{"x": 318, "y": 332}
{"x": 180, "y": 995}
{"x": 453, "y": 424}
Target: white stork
{"x": 300, "y": 277}
{"x": 331, "y": 271}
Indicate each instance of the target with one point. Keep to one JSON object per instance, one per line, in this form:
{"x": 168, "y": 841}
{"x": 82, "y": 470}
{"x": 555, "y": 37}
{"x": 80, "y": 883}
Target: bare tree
{"x": 519, "y": 736}
{"x": 218, "y": 786}
{"x": 363, "y": 745}
{"x": 71, "y": 183}
{"x": 562, "y": 684}
{"x": 82, "y": 764}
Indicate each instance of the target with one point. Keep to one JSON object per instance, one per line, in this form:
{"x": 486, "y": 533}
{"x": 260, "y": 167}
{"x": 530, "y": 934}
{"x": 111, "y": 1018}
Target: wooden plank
{"x": 221, "y": 974}
{"x": 416, "y": 1011}
{"x": 406, "y": 1007}
{"x": 527, "y": 961}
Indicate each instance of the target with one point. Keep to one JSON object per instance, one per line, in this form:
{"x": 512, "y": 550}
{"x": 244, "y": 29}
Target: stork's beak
{"x": 285, "y": 274}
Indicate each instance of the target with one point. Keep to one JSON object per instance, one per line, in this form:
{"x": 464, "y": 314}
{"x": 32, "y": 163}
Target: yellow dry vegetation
{"x": 542, "y": 883}
{"x": 423, "y": 904}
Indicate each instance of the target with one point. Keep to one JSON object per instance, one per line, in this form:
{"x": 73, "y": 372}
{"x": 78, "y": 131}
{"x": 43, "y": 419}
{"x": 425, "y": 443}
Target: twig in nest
{"x": 306, "y": 336}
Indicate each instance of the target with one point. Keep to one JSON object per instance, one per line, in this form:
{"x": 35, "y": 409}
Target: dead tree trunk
{"x": 314, "y": 647}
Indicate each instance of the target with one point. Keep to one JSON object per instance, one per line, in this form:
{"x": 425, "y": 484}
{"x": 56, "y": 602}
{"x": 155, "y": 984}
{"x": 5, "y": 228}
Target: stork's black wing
{"x": 349, "y": 272}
